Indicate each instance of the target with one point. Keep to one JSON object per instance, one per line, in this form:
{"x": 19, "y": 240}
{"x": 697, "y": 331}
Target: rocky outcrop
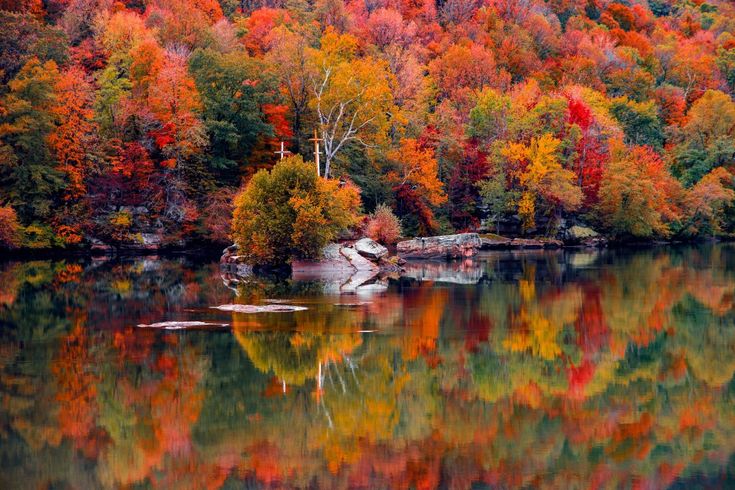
{"x": 344, "y": 270}
{"x": 370, "y": 249}
{"x": 357, "y": 261}
{"x": 552, "y": 243}
{"x": 332, "y": 265}
{"x": 232, "y": 261}
{"x": 583, "y": 235}
{"x": 494, "y": 242}
{"x": 577, "y": 233}
{"x": 343, "y": 267}
{"x": 440, "y": 247}
{"x": 391, "y": 264}
{"x": 526, "y": 243}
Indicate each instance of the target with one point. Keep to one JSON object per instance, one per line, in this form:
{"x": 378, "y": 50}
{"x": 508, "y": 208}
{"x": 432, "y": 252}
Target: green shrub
{"x": 290, "y": 213}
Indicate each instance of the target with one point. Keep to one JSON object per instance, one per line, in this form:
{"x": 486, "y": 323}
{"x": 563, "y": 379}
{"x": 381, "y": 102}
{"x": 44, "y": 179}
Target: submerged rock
{"x": 273, "y": 308}
{"x": 440, "y": 247}
{"x": 174, "y": 325}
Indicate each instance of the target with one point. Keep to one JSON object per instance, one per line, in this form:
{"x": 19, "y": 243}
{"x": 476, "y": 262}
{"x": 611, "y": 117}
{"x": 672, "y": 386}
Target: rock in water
{"x": 332, "y": 266}
{"x": 233, "y": 262}
{"x": 357, "y": 261}
{"x": 440, "y": 247}
{"x": 183, "y": 325}
{"x": 526, "y": 243}
{"x": 582, "y": 235}
{"x": 277, "y": 308}
{"x": 370, "y": 248}
{"x": 495, "y": 242}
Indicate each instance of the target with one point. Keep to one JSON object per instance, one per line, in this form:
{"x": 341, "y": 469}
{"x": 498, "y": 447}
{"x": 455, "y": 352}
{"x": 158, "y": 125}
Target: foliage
{"x": 157, "y": 108}
{"x": 30, "y": 179}
{"x": 350, "y": 96}
{"x": 415, "y": 182}
{"x": 289, "y": 213}
{"x": 496, "y": 197}
{"x": 707, "y": 137}
{"x": 9, "y": 228}
{"x": 542, "y": 178}
{"x": 705, "y": 201}
{"x": 383, "y": 226}
{"x": 232, "y": 110}
{"x": 217, "y": 215}
{"x": 31, "y": 38}
{"x": 637, "y": 197}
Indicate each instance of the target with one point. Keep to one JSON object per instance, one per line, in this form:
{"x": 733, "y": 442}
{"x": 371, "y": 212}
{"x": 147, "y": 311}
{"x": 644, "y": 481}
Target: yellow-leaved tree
{"x": 544, "y": 183}
{"x": 350, "y": 96}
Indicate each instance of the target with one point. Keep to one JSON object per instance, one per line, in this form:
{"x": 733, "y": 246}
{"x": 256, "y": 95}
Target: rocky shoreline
{"x": 365, "y": 266}
{"x": 349, "y": 267}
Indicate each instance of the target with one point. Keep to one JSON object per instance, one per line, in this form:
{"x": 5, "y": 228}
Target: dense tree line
{"x": 137, "y": 121}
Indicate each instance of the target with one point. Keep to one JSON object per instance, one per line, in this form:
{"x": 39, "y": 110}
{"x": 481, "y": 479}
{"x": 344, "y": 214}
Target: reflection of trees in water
{"x": 117, "y": 293}
{"x": 554, "y": 376}
{"x": 296, "y": 357}
{"x": 148, "y": 405}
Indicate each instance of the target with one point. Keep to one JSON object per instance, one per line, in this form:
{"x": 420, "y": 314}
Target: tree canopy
{"x": 126, "y": 122}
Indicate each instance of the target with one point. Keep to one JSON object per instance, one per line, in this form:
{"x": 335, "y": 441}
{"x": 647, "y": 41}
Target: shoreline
{"x": 215, "y": 250}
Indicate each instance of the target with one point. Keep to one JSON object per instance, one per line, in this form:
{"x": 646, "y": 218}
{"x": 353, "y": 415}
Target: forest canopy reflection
{"x": 544, "y": 370}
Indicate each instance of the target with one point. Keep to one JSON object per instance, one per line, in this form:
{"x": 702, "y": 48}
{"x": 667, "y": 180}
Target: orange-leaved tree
{"x": 638, "y": 196}
{"x": 416, "y": 183}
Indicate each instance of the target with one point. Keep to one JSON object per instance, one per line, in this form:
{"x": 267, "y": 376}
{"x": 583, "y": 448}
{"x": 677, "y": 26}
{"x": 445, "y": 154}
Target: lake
{"x": 587, "y": 369}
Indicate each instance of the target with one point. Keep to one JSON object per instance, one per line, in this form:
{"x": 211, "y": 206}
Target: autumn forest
{"x": 137, "y": 122}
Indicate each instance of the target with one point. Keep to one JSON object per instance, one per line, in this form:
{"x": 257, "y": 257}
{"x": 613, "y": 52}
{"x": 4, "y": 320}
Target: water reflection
{"x": 543, "y": 370}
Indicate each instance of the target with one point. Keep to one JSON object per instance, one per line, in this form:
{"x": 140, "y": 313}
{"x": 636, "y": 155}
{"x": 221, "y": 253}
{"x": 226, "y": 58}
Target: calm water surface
{"x": 535, "y": 370}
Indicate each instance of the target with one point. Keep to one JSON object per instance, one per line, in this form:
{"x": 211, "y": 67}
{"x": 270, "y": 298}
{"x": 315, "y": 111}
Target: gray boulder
{"x": 578, "y": 234}
{"x": 370, "y": 249}
{"x": 440, "y": 247}
{"x": 357, "y": 261}
{"x": 332, "y": 264}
